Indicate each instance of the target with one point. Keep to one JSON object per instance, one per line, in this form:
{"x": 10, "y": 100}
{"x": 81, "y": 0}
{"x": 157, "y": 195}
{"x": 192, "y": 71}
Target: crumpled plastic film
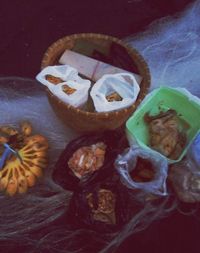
{"x": 126, "y": 162}
{"x": 194, "y": 150}
{"x": 69, "y": 76}
{"x": 185, "y": 179}
{"x": 105, "y": 215}
{"x": 124, "y": 84}
{"x": 185, "y": 175}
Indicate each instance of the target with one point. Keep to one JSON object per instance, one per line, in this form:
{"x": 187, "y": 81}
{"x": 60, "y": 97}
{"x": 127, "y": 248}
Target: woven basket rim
{"x": 129, "y": 49}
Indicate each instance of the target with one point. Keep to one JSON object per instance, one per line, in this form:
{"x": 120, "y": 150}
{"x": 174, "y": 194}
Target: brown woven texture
{"x": 83, "y": 121}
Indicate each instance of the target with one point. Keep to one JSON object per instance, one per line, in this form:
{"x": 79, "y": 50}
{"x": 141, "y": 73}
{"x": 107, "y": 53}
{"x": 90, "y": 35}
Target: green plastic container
{"x": 164, "y": 99}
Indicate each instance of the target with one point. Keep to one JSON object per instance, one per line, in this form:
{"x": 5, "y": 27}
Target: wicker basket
{"x": 84, "y": 121}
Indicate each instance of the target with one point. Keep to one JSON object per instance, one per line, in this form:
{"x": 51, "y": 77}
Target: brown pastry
{"x": 53, "y": 79}
{"x": 68, "y": 90}
{"x": 104, "y": 209}
{"x": 87, "y": 159}
{"x": 114, "y": 97}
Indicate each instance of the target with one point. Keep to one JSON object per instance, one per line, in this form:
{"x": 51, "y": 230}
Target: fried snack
{"x": 53, "y": 79}
{"x": 56, "y": 80}
{"x": 68, "y": 90}
{"x": 20, "y": 172}
{"x": 165, "y": 134}
{"x": 104, "y": 208}
{"x": 87, "y": 159}
{"x": 143, "y": 171}
{"x": 114, "y": 97}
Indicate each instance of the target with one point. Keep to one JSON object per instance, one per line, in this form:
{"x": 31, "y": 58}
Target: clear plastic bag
{"x": 126, "y": 163}
{"x": 185, "y": 179}
{"x": 194, "y": 150}
{"x": 185, "y": 175}
{"x": 124, "y": 84}
{"x": 69, "y": 78}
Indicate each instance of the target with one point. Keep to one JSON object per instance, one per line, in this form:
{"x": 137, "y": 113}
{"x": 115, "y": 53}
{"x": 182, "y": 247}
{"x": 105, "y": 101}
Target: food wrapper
{"x": 68, "y": 78}
{"x": 185, "y": 180}
{"x": 185, "y": 175}
{"x": 63, "y": 175}
{"x": 126, "y": 163}
{"x": 124, "y": 85}
{"x": 104, "y": 206}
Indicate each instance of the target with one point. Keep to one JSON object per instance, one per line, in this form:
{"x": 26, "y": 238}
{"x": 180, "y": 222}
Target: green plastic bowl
{"x": 163, "y": 99}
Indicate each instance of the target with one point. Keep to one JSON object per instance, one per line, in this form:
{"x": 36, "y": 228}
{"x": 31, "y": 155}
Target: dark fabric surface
{"x": 174, "y": 234}
{"x": 29, "y": 27}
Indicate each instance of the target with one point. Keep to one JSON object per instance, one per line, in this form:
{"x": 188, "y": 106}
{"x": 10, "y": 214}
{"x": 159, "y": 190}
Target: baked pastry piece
{"x": 87, "y": 159}
{"x": 104, "y": 208}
